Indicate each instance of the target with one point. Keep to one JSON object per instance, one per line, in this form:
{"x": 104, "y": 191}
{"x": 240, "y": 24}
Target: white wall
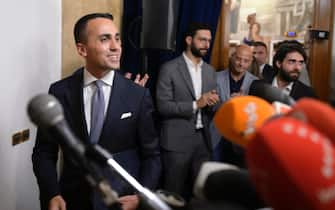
{"x": 30, "y": 59}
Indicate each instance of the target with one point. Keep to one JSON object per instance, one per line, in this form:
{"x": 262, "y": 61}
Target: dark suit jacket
{"x": 299, "y": 89}
{"x": 175, "y": 95}
{"x": 268, "y": 72}
{"x": 132, "y": 141}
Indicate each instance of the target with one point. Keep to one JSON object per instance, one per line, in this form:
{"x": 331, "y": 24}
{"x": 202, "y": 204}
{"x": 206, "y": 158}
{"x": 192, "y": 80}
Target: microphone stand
{"x": 96, "y": 180}
{"x": 103, "y": 157}
{"x": 93, "y": 176}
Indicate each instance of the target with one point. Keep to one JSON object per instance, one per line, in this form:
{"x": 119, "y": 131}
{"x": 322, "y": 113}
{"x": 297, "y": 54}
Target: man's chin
{"x": 114, "y": 66}
{"x": 294, "y": 77}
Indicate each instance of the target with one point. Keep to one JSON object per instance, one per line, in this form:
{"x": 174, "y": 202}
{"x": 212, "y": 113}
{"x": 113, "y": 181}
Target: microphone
{"x": 281, "y": 108}
{"x": 238, "y": 118}
{"x": 45, "y": 111}
{"x": 292, "y": 165}
{"x": 316, "y": 113}
{"x": 220, "y": 181}
{"x": 103, "y": 157}
{"x": 269, "y": 93}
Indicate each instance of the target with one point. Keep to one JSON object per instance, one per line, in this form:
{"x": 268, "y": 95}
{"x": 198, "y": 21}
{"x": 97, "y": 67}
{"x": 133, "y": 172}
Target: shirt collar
{"x": 189, "y": 61}
{"x": 107, "y": 79}
{"x": 287, "y": 88}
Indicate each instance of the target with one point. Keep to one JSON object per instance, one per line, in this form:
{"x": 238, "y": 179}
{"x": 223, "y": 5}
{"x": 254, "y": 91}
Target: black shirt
{"x": 235, "y": 86}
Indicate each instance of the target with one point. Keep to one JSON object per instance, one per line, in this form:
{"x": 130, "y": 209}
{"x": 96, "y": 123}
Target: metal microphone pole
{"x": 103, "y": 157}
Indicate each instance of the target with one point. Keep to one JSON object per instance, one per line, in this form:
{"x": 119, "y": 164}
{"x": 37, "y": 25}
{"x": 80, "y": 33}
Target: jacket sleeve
{"x": 167, "y": 105}
{"x": 44, "y": 159}
{"x": 149, "y": 146}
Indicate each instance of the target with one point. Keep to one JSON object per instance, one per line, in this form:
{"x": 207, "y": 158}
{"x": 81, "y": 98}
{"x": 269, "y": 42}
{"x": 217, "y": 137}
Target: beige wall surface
{"x": 72, "y": 11}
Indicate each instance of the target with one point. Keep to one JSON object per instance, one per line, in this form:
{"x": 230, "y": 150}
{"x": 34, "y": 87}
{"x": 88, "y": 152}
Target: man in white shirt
{"x": 126, "y": 127}
{"x": 186, "y": 93}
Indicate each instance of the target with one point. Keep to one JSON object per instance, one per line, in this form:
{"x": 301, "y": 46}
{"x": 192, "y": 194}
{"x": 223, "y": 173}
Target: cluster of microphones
{"x": 289, "y": 151}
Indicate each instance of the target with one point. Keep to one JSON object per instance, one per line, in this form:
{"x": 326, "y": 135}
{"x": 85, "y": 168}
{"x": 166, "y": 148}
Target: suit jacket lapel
{"x": 204, "y": 78}
{"x": 115, "y": 105}
{"x": 74, "y": 99}
{"x": 224, "y": 85}
{"x": 182, "y": 68}
{"x": 246, "y": 83}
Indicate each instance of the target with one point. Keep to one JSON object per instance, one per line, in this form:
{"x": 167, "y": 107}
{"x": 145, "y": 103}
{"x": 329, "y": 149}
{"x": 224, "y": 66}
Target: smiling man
{"x": 232, "y": 82}
{"x": 102, "y": 107}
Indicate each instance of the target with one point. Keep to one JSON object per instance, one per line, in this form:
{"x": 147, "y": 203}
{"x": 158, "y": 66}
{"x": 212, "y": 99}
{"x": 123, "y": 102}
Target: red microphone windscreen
{"x": 316, "y": 113}
{"x": 292, "y": 165}
{"x": 238, "y": 118}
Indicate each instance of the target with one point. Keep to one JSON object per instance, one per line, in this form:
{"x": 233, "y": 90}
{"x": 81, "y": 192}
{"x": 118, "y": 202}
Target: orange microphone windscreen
{"x": 292, "y": 165}
{"x": 238, "y": 118}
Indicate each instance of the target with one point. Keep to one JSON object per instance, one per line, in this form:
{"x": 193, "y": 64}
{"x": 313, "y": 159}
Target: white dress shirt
{"x": 287, "y": 89}
{"x": 89, "y": 90}
{"x": 195, "y": 72}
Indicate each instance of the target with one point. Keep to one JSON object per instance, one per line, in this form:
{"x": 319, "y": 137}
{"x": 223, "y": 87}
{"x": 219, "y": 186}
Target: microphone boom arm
{"x": 103, "y": 157}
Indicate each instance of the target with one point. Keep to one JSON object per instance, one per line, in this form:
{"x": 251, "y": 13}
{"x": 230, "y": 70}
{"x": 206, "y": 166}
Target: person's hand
{"x": 213, "y": 98}
{"x": 138, "y": 80}
{"x": 236, "y": 94}
{"x": 127, "y": 75}
{"x": 129, "y": 202}
{"x": 141, "y": 81}
{"x": 208, "y": 99}
{"x": 57, "y": 203}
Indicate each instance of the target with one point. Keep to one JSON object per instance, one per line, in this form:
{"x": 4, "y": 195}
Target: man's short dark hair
{"x": 79, "y": 30}
{"x": 194, "y": 27}
{"x": 259, "y": 44}
{"x": 292, "y": 41}
{"x": 284, "y": 49}
{"x": 192, "y": 30}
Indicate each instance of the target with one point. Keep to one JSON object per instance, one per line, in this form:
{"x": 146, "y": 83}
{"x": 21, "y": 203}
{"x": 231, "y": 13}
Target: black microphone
{"x": 46, "y": 112}
{"x": 220, "y": 181}
{"x": 269, "y": 93}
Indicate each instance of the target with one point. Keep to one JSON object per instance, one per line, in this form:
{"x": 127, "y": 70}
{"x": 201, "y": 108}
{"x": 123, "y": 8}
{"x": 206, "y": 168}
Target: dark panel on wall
{"x": 159, "y": 24}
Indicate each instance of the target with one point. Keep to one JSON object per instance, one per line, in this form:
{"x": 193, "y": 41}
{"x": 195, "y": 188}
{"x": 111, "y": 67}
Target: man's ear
{"x": 81, "y": 49}
{"x": 278, "y": 64}
{"x": 188, "y": 40}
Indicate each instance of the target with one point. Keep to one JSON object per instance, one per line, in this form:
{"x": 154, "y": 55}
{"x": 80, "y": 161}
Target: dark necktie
{"x": 97, "y": 112}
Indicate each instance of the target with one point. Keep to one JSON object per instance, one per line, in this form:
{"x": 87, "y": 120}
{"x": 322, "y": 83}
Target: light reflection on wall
{"x": 275, "y": 17}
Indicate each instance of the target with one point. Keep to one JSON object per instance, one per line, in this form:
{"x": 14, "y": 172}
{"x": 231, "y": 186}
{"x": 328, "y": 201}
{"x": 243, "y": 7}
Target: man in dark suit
{"x": 260, "y": 52}
{"x": 186, "y": 92}
{"x": 288, "y": 62}
{"x": 128, "y": 130}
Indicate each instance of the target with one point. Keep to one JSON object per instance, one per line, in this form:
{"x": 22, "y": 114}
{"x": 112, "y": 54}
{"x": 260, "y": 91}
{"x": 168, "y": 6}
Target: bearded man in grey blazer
{"x": 186, "y": 94}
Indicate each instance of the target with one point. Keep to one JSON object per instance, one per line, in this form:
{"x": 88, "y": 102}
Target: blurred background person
{"x": 260, "y": 53}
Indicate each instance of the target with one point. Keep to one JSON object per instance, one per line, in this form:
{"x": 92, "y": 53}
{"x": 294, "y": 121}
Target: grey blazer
{"x": 223, "y": 86}
{"x": 175, "y": 95}
{"x": 223, "y": 89}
